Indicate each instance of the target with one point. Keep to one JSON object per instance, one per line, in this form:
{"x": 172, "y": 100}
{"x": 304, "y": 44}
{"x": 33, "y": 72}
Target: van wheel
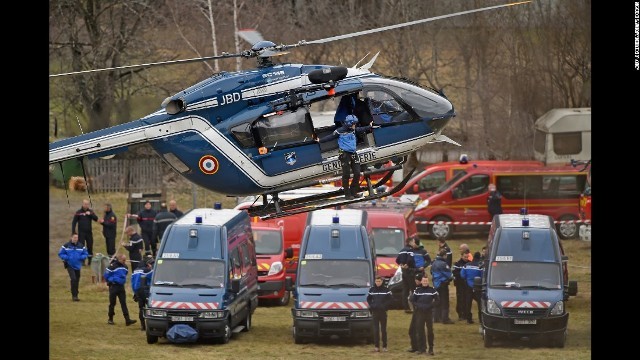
{"x": 297, "y": 338}
{"x": 227, "y": 333}
{"x": 284, "y": 300}
{"x": 247, "y": 322}
{"x": 152, "y": 339}
{"x": 437, "y": 231}
{"x": 568, "y": 230}
{"x": 488, "y": 338}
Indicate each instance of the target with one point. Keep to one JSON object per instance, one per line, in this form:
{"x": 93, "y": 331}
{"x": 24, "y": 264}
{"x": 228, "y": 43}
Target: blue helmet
{"x": 350, "y": 120}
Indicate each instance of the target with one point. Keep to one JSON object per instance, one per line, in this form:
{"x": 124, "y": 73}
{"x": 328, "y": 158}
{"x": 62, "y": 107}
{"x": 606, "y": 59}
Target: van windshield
{"x": 329, "y": 273}
{"x": 389, "y": 242}
{"x": 267, "y": 242}
{"x": 448, "y": 184}
{"x": 189, "y": 273}
{"x": 519, "y": 275}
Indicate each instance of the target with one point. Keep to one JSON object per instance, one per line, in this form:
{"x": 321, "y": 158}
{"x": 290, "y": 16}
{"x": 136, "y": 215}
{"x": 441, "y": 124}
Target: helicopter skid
{"x": 280, "y": 208}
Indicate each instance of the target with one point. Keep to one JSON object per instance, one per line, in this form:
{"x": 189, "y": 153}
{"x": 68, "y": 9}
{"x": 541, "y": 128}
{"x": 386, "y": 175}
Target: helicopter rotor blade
{"x": 396, "y": 26}
{"x": 251, "y": 36}
{"x": 170, "y": 62}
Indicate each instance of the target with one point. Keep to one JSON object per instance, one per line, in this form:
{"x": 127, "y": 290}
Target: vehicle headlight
{"x": 360, "y": 314}
{"x": 558, "y": 308}
{"x": 156, "y": 312}
{"x": 492, "y": 307}
{"x": 276, "y": 267}
{"x": 211, "y": 314}
{"x": 307, "y": 313}
{"x": 423, "y": 204}
{"x": 396, "y": 278}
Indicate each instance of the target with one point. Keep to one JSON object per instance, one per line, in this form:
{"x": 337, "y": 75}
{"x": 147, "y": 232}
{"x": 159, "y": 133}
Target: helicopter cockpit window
{"x": 422, "y": 101}
{"x": 242, "y": 133}
{"x": 285, "y": 129}
{"x": 384, "y": 108}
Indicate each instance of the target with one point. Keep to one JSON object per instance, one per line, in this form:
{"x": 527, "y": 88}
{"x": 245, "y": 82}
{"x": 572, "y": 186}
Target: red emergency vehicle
{"x": 272, "y": 259}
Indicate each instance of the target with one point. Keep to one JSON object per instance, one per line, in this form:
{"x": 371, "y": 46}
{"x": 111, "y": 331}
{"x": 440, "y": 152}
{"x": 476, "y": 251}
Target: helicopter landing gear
{"x": 278, "y": 208}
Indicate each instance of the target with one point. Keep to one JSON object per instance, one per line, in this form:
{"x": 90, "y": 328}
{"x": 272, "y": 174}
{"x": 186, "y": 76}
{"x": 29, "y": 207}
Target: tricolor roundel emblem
{"x": 208, "y": 164}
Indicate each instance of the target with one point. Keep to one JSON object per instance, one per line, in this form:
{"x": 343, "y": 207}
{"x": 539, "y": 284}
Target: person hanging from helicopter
{"x": 346, "y": 135}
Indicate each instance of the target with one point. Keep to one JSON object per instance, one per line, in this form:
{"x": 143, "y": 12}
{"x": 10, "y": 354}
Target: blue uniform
{"x": 442, "y": 276}
{"x": 424, "y": 299}
{"x": 379, "y": 299}
{"x": 73, "y": 256}
{"x": 469, "y": 271}
{"x": 116, "y": 277}
{"x": 141, "y": 288}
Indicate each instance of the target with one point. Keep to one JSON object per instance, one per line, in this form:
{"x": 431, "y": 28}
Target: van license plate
{"x": 525, "y": 321}
{"x": 334, "y": 318}
{"x": 182, "y": 318}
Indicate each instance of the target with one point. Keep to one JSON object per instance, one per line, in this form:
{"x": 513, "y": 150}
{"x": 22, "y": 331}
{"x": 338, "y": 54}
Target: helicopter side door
{"x": 286, "y": 141}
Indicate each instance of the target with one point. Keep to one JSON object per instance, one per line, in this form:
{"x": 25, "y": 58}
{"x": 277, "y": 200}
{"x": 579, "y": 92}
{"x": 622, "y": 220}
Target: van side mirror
{"x": 564, "y": 258}
{"x": 288, "y": 284}
{"x": 235, "y": 286}
{"x": 288, "y": 253}
{"x": 477, "y": 283}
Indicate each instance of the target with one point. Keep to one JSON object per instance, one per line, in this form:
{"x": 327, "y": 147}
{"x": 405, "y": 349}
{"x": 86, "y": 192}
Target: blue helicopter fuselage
{"x": 225, "y": 134}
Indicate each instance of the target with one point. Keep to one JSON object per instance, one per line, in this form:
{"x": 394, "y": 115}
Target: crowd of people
{"x": 141, "y": 249}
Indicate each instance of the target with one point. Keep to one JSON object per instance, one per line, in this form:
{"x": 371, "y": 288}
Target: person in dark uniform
{"x": 442, "y": 276}
{"x": 83, "y": 218}
{"x": 459, "y": 282}
{"x": 442, "y": 244}
{"x": 73, "y": 254}
{"x": 413, "y": 331}
{"x": 162, "y": 220}
{"x": 494, "y": 201}
{"x": 145, "y": 220}
{"x": 421, "y": 258}
{"x": 379, "y": 299}
{"x": 424, "y": 299}
{"x": 116, "y": 277}
{"x": 173, "y": 208}
{"x": 407, "y": 264}
{"x": 109, "y": 225}
{"x": 134, "y": 246}
{"x": 468, "y": 272}
{"x": 346, "y": 135}
{"x": 140, "y": 284}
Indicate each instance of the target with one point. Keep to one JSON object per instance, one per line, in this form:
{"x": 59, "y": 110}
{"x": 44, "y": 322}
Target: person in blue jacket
{"x": 424, "y": 299}
{"x": 140, "y": 284}
{"x": 442, "y": 277}
{"x": 379, "y": 299}
{"x": 346, "y": 135}
{"x": 116, "y": 277}
{"x": 469, "y": 271}
{"x": 73, "y": 254}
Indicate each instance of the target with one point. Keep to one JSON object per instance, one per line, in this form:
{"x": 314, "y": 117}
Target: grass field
{"x": 79, "y": 330}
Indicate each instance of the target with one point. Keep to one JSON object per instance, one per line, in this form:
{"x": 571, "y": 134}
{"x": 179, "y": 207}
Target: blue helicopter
{"x": 252, "y": 132}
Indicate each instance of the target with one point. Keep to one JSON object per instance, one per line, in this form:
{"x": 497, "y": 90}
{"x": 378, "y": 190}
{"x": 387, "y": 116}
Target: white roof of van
{"x": 565, "y": 120}
{"x": 515, "y": 221}
{"x": 209, "y": 216}
{"x": 347, "y": 216}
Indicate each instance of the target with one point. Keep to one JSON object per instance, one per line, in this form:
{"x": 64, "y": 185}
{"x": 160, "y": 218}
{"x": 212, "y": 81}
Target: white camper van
{"x": 562, "y": 135}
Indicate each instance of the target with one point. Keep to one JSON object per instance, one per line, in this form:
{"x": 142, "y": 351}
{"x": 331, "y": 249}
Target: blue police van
{"x": 205, "y": 277}
{"x": 336, "y": 269}
{"x": 525, "y": 281}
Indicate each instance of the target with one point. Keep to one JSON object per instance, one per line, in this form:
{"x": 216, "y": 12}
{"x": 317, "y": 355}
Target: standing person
{"x": 73, "y": 254}
{"x": 346, "y": 135}
{"x": 407, "y": 264}
{"x": 468, "y": 272}
{"x": 494, "y": 201}
{"x": 442, "y": 277}
{"x": 109, "y": 225}
{"x": 134, "y": 247}
{"x": 145, "y": 220}
{"x": 162, "y": 220}
{"x": 83, "y": 218}
{"x": 413, "y": 331}
{"x": 140, "y": 284}
{"x": 442, "y": 244}
{"x": 421, "y": 257}
{"x": 424, "y": 300}
{"x": 379, "y": 300}
{"x": 483, "y": 257}
{"x": 116, "y": 277}
{"x": 173, "y": 208}
{"x": 459, "y": 282}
